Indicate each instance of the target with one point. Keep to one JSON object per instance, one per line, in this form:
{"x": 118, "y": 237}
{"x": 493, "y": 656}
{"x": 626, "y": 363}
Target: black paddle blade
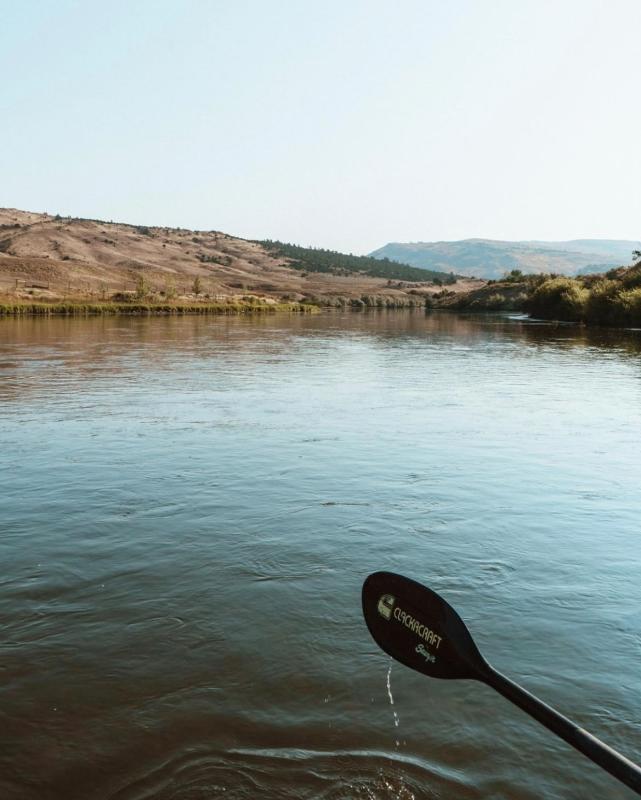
{"x": 418, "y": 628}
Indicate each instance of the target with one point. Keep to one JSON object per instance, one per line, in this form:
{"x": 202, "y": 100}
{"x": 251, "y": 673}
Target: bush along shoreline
{"x": 613, "y": 299}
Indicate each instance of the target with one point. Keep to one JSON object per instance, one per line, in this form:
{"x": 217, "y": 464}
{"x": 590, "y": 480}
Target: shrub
{"x": 143, "y": 289}
{"x": 495, "y": 301}
{"x": 536, "y": 279}
{"x": 514, "y": 276}
{"x": 632, "y": 277}
{"x": 602, "y": 305}
{"x": 559, "y": 298}
{"x": 628, "y": 305}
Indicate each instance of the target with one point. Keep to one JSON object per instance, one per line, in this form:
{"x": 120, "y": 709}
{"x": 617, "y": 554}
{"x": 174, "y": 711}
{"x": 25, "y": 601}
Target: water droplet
{"x": 391, "y": 699}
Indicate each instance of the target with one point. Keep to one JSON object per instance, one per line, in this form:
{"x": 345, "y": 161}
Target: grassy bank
{"x": 72, "y": 309}
{"x": 370, "y": 301}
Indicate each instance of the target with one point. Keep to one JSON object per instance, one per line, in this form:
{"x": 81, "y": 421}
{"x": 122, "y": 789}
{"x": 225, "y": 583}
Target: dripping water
{"x": 391, "y": 700}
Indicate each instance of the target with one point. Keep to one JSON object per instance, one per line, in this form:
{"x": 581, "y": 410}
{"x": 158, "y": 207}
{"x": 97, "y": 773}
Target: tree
{"x": 170, "y": 289}
{"x": 142, "y": 288}
{"x": 197, "y": 288}
{"x": 514, "y": 275}
{"x": 636, "y": 255}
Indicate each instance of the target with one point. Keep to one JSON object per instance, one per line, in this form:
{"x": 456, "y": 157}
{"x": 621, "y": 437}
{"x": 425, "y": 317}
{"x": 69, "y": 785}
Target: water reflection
{"x": 93, "y": 348}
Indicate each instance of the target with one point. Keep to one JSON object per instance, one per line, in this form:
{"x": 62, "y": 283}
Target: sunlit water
{"x": 189, "y": 508}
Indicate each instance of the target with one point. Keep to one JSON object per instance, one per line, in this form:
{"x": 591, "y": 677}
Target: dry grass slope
{"x": 48, "y": 257}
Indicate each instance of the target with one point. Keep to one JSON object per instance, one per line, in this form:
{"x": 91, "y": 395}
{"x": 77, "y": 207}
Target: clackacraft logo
{"x": 386, "y": 605}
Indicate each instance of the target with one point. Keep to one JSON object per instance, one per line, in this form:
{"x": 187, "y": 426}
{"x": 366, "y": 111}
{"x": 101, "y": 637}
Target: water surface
{"x": 189, "y": 508}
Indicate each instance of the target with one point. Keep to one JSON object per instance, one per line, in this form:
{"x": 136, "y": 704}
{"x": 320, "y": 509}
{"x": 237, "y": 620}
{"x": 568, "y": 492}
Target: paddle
{"x": 418, "y": 628}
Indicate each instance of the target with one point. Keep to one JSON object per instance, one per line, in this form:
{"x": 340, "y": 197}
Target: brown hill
{"x": 44, "y": 255}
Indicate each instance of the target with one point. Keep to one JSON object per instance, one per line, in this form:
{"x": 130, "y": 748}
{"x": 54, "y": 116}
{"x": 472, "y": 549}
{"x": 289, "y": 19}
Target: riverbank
{"x": 11, "y": 306}
{"x": 612, "y": 299}
{"x": 149, "y": 309}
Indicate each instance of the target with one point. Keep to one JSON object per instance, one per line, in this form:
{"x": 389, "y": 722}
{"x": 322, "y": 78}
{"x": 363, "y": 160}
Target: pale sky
{"x": 343, "y": 124}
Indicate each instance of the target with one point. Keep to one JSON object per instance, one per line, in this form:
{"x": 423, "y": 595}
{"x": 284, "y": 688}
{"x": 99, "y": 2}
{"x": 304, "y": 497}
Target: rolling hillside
{"x": 43, "y": 254}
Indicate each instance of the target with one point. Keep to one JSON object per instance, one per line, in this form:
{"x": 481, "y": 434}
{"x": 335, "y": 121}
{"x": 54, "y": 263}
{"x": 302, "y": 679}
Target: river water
{"x": 189, "y": 508}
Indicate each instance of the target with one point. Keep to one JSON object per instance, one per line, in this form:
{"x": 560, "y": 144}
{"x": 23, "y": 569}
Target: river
{"x": 189, "y": 507}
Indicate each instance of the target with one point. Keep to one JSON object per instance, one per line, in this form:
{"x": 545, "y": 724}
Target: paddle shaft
{"x": 596, "y": 750}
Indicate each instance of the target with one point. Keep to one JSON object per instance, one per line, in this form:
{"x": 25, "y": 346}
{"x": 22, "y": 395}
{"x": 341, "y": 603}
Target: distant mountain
{"x": 487, "y": 258}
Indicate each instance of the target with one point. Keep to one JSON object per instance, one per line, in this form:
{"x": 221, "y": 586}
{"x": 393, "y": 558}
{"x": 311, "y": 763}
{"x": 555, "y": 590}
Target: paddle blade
{"x": 418, "y": 628}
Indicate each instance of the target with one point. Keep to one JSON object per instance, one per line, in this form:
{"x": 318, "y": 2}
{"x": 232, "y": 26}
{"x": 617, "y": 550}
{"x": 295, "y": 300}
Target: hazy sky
{"x": 343, "y": 124}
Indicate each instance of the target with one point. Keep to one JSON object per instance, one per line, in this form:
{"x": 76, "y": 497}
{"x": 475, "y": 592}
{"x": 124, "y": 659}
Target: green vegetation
{"x": 136, "y": 308}
{"x": 224, "y": 261}
{"x": 368, "y": 301}
{"x": 143, "y": 289}
{"x": 496, "y": 301}
{"x": 559, "y": 298}
{"x": 611, "y": 300}
{"x": 310, "y": 259}
{"x": 514, "y": 276}
{"x": 170, "y": 290}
